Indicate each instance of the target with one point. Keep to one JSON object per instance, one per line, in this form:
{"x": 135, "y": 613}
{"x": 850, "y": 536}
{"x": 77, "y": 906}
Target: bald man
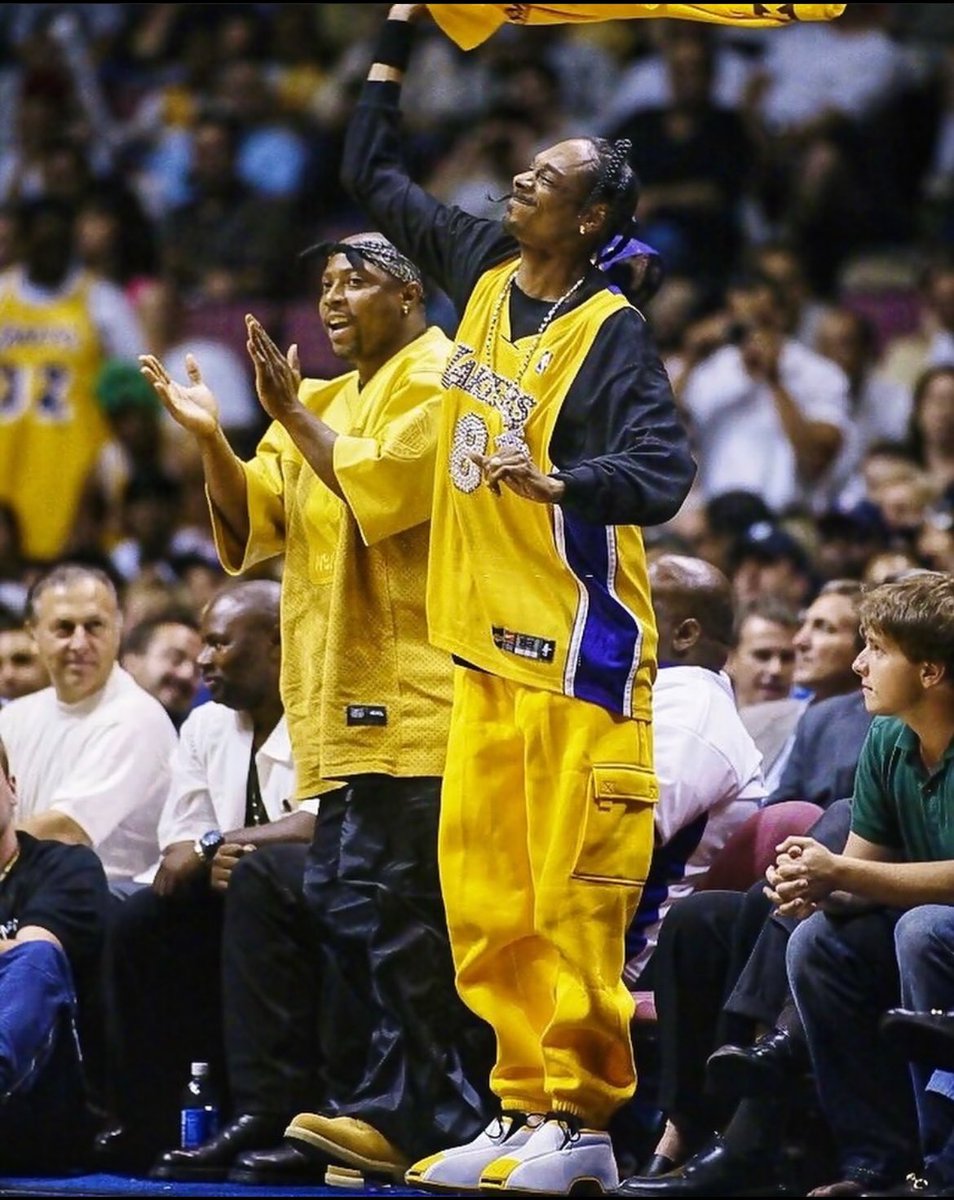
{"x": 709, "y": 769}
{"x": 231, "y": 800}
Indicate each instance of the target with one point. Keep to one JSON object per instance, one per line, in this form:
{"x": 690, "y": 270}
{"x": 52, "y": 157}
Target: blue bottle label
{"x": 197, "y": 1125}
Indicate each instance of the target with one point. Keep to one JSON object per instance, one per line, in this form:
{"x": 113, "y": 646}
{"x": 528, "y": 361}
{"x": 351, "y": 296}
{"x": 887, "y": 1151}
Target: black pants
{"x": 695, "y": 961}
{"x": 719, "y": 969}
{"x": 163, "y": 1004}
{"x": 761, "y": 985}
{"x": 399, "y": 1048}
{"x": 271, "y": 985}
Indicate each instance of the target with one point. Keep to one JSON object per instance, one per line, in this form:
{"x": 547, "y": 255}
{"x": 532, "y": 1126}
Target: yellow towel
{"x": 470, "y": 24}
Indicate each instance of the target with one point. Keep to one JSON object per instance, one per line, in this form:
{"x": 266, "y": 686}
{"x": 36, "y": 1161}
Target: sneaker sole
{"x": 344, "y": 1177}
{"x": 350, "y": 1158}
{"x": 586, "y": 1185}
{"x": 453, "y": 1189}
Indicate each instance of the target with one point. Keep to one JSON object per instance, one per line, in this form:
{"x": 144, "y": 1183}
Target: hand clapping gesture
{"x": 193, "y": 406}
{"x": 277, "y": 376}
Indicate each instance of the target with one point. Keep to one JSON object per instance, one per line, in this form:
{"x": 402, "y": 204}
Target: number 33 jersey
{"x": 51, "y": 428}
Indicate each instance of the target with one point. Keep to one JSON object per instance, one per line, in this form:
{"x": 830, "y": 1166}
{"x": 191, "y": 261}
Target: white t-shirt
{"x": 103, "y": 762}
{"x": 739, "y": 436}
{"x": 710, "y": 781}
{"x": 210, "y": 772}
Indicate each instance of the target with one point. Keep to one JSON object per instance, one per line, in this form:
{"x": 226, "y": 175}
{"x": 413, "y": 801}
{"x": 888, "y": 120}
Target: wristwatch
{"x": 206, "y": 845}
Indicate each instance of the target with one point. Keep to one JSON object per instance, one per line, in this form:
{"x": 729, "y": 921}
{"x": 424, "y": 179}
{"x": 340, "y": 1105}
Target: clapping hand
{"x": 277, "y": 376}
{"x": 193, "y": 406}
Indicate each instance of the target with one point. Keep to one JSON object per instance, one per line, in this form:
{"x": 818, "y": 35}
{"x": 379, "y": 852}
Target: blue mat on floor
{"x": 126, "y": 1185}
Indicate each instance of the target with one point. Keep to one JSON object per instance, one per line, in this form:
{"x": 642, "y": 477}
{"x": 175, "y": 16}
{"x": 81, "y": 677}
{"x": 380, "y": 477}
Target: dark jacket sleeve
{"x": 828, "y": 740}
{"x": 453, "y": 247}
{"x": 619, "y": 443}
{"x": 796, "y": 782}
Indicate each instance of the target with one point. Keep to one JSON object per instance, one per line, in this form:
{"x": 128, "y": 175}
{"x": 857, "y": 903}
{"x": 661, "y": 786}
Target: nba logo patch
{"x": 545, "y": 359}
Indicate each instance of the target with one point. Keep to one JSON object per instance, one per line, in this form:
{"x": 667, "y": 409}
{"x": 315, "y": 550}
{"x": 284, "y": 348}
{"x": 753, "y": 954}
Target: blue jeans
{"x": 924, "y": 943}
{"x": 42, "y": 1093}
{"x": 843, "y": 974}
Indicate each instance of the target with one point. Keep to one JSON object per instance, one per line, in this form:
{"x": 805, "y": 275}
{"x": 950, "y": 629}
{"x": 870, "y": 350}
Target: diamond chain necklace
{"x": 512, "y": 436}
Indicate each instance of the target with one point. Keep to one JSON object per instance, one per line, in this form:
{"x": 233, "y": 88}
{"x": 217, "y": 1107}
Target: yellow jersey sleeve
{"x": 398, "y": 460}
{"x": 265, "y": 485}
{"x": 468, "y": 25}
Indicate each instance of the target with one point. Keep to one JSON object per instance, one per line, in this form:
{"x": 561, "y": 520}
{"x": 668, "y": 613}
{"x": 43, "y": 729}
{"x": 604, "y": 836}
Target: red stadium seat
{"x": 750, "y": 851}
{"x": 743, "y": 860}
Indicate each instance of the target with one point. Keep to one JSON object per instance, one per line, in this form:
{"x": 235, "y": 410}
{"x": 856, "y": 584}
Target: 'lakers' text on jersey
{"x": 535, "y": 593}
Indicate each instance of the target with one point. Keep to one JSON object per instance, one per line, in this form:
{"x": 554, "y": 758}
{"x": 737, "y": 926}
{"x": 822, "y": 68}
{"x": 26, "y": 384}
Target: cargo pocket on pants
{"x": 618, "y": 836}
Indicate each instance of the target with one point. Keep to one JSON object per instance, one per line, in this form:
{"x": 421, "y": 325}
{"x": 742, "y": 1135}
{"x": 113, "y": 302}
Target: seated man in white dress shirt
{"x": 709, "y": 769}
{"x": 233, "y": 780}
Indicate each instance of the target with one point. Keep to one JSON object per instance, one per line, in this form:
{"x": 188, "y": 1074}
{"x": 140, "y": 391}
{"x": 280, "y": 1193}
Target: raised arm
{"x": 451, "y": 246}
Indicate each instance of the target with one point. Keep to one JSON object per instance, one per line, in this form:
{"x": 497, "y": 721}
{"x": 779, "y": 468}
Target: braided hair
{"x": 616, "y": 184}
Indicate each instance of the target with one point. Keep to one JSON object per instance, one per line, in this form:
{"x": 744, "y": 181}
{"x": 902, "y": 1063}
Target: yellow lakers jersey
{"x": 51, "y": 428}
{"x": 530, "y": 591}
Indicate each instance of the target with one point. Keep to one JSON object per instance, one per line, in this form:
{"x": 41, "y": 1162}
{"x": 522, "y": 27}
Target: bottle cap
{"x": 200, "y": 1068}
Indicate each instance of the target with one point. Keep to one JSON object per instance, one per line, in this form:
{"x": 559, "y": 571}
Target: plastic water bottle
{"x": 199, "y": 1113}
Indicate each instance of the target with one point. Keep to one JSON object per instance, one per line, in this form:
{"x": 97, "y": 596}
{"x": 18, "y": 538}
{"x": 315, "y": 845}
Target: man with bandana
{"x": 559, "y": 438}
{"x": 341, "y": 485}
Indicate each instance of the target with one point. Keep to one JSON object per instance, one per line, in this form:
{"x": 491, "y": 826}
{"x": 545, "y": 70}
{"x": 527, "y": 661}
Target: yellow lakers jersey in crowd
{"x": 531, "y": 591}
{"x": 51, "y": 428}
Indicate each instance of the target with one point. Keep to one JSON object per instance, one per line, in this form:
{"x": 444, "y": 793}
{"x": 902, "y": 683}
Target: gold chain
{"x": 512, "y": 435}
{"x": 10, "y": 865}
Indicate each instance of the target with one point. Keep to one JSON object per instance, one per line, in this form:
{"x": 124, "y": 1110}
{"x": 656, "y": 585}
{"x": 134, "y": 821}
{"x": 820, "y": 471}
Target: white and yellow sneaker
{"x": 459, "y": 1168}
{"x": 559, "y": 1158}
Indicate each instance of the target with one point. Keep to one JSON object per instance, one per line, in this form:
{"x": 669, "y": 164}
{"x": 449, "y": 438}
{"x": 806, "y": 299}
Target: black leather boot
{"x": 771, "y": 1062}
{"x": 714, "y": 1171}
{"x": 212, "y": 1160}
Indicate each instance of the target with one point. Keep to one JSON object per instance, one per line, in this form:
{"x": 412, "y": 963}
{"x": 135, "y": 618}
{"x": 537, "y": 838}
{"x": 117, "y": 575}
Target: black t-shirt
{"x": 62, "y": 889}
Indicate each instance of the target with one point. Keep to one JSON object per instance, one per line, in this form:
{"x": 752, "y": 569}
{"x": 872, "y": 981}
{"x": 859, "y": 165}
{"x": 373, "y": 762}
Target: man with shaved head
{"x": 709, "y": 769}
{"x": 232, "y": 794}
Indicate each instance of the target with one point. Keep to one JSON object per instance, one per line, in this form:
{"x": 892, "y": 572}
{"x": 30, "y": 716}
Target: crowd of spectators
{"x": 800, "y": 204}
{"x": 164, "y": 166}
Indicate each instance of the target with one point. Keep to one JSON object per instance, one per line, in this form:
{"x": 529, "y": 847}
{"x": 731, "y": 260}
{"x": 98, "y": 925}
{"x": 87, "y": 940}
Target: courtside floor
{"x": 126, "y": 1185}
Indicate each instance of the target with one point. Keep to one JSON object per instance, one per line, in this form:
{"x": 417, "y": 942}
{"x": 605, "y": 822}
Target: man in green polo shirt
{"x": 879, "y": 917}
